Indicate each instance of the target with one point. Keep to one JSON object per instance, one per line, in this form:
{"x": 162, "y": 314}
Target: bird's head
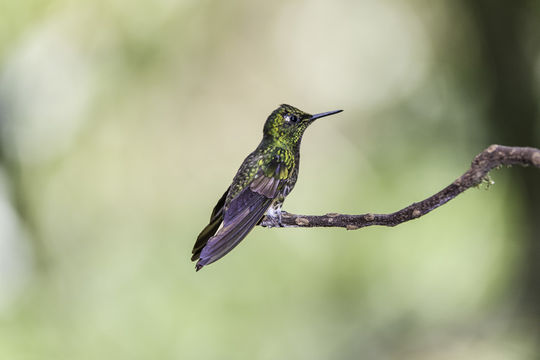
{"x": 288, "y": 123}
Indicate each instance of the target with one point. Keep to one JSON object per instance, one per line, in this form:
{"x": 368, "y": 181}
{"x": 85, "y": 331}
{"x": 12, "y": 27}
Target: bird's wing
{"x": 215, "y": 221}
{"x": 244, "y": 212}
{"x": 248, "y": 208}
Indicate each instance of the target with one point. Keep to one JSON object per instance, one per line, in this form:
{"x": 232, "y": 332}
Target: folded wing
{"x": 240, "y": 216}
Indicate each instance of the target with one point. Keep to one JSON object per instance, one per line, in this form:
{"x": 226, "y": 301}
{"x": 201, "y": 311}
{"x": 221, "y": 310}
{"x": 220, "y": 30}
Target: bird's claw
{"x": 273, "y": 220}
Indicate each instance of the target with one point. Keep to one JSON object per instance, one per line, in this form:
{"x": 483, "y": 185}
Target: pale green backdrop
{"x": 122, "y": 122}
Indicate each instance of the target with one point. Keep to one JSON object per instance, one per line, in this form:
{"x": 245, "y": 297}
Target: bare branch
{"x": 492, "y": 157}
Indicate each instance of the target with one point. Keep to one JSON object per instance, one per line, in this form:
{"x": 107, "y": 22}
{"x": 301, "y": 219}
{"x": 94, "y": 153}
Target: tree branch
{"x": 492, "y": 157}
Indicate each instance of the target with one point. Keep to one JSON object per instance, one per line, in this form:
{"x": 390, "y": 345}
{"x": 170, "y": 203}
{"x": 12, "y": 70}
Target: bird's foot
{"x": 273, "y": 219}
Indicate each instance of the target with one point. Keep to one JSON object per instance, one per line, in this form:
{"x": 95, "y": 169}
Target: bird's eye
{"x": 292, "y": 118}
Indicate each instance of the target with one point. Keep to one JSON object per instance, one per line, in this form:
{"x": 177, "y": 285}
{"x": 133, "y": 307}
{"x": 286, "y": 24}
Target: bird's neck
{"x": 281, "y": 142}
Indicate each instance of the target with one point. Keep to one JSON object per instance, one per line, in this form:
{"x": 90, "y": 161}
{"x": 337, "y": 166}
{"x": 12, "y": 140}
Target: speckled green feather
{"x": 280, "y": 146}
{"x": 261, "y": 184}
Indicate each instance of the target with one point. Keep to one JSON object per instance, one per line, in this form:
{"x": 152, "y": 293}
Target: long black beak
{"x": 316, "y": 116}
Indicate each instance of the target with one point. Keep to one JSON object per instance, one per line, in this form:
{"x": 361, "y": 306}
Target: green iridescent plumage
{"x": 259, "y": 187}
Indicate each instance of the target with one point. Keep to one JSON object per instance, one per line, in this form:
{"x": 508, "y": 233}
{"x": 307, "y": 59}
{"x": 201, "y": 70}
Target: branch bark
{"x": 492, "y": 157}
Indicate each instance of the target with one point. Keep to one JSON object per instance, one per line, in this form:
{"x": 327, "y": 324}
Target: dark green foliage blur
{"x": 122, "y": 123}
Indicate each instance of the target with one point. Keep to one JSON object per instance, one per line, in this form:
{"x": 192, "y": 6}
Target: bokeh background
{"x": 122, "y": 123}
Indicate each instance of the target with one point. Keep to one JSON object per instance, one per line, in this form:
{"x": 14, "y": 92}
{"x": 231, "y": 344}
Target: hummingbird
{"x": 260, "y": 186}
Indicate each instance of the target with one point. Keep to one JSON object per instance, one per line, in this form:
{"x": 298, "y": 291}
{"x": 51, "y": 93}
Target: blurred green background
{"x": 122, "y": 122}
